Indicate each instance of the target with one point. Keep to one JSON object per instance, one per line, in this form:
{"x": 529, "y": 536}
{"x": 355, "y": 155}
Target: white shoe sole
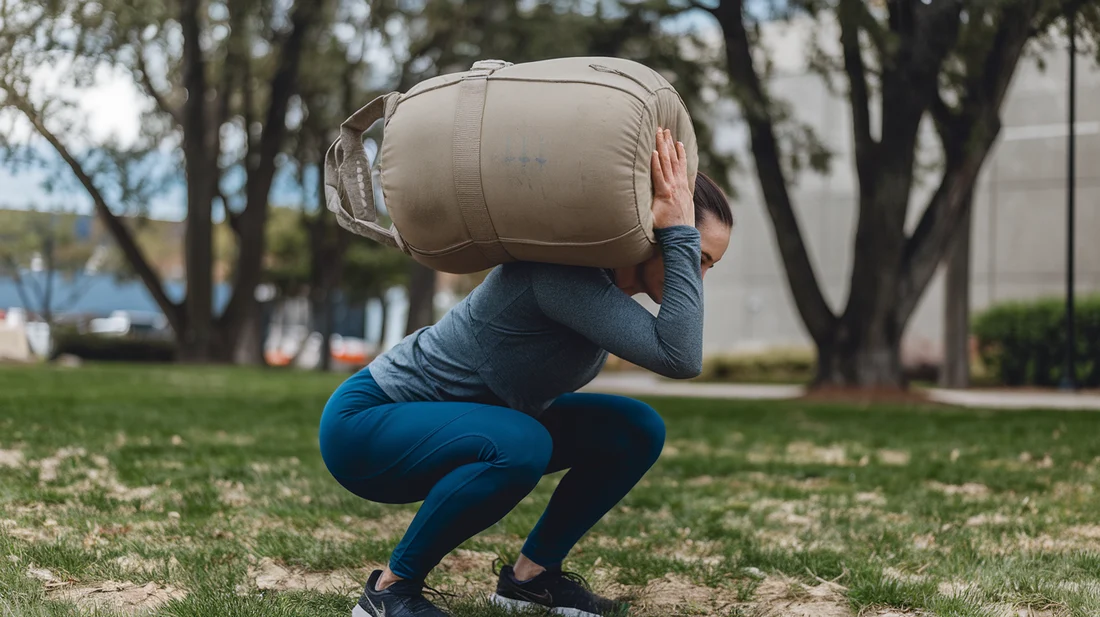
{"x": 519, "y": 605}
{"x": 359, "y": 612}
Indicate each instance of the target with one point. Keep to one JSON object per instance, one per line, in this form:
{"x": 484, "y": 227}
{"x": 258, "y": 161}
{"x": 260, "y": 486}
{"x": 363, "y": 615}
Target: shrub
{"x": 112, "y": 348}
{"x": 1023, "y": 343}
{"x": 777, "y": 366}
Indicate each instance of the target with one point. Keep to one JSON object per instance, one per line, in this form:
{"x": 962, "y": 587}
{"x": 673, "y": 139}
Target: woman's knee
{"x": 523, "y": 447}
{"x": 643, "y": 430}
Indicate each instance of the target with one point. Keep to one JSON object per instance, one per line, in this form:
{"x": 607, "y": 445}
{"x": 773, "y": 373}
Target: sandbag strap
{"x": 466, "y": 153}
{"x": 349, "y": 192}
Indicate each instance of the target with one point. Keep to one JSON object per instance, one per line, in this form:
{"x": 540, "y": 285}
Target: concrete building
{"x": 1019, "y": 238}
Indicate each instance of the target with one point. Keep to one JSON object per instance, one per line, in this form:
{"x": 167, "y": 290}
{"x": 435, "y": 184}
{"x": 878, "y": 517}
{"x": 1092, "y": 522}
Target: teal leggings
{"x": 472, "y": 463}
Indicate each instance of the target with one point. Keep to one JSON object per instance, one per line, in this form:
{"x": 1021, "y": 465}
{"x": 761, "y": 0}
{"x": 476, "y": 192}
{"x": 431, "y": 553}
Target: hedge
{"x": 112, "y": 348}
{"x": 1023, "y": 343}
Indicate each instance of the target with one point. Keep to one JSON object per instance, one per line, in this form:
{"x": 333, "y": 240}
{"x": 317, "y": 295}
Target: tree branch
{"x": 151, "y": 90}
{"x": 849, "y": 14}
{"x": 113, "y": 223}
{"x": 749, "y": 92}
{"x": 19, "y": 285}
{"x": 971, "y": 135}
{"x": 283, "y": 85}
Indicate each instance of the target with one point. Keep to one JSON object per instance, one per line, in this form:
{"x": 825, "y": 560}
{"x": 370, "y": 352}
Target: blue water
{"x": 104, "y": 294}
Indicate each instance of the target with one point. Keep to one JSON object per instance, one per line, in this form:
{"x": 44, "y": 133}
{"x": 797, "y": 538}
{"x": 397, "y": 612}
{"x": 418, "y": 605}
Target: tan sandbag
{"x": 545, "y": 161}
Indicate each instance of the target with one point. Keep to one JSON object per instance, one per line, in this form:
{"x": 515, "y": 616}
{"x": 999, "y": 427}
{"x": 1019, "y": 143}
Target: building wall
{"x": 1019, "y": 238}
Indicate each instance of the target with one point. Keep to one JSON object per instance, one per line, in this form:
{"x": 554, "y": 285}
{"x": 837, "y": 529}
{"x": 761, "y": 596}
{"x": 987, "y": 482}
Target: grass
{"x": 200, "y": 491}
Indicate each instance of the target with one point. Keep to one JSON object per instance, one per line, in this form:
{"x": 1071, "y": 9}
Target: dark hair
{"x": 710, "y": 200}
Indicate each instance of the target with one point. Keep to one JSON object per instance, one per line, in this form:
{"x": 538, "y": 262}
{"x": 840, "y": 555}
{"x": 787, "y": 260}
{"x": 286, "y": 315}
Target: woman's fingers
{"x": 664, "y": 150}
{"x": 681, "y": 155}
{"x": 660, "y": 186}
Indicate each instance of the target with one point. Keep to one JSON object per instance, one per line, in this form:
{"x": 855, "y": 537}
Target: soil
{"x": 868, "y": 396}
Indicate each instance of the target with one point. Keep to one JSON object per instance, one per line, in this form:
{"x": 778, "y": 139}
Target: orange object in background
{"x": 275, "y": 357}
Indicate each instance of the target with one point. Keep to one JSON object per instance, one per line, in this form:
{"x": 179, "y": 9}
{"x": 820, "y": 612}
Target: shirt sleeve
{"x": 588, "y": 302}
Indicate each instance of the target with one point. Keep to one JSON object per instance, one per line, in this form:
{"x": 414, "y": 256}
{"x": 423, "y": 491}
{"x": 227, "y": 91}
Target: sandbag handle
{"x": 349, "y": 192}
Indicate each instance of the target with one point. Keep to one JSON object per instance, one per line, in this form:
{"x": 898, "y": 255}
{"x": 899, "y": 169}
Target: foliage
{"x": 1023, "y": 343}
{"x": 99, "y": 347}
{"x": 368, "y": 269}
{"x": 777, "y": 366}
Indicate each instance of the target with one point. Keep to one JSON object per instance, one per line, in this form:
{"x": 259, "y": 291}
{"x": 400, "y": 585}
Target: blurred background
{"x": 904, "y": 174}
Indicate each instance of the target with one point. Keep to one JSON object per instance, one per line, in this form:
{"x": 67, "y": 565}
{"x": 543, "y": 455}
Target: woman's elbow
{"x": 688, "y": 369}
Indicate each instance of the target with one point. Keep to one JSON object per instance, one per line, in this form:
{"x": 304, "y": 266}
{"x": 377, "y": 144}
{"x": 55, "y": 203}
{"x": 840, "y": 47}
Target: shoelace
{"x": 576, "y": 578}
{"x": 419, "y": 604}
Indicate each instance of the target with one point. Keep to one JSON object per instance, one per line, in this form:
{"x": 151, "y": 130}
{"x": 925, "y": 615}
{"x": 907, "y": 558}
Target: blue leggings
{"x": 472, "y": 463}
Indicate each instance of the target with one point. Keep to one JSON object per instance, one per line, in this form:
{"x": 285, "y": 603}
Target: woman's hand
{"x": 672, "y": 203}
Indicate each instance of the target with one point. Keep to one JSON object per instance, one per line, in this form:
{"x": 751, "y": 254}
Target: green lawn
{"x": 200, "y": 492}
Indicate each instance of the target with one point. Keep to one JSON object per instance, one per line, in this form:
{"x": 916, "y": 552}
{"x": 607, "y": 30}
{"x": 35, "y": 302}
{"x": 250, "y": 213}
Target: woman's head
{"x": 713, "y": 219}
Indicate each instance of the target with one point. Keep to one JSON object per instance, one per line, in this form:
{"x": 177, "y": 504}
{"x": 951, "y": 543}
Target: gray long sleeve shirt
{"x": 532, "y": 332}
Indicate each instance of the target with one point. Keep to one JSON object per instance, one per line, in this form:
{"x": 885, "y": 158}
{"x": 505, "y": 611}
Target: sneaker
{"x": 401, "y": 599}
{"x": 563, "y": 593}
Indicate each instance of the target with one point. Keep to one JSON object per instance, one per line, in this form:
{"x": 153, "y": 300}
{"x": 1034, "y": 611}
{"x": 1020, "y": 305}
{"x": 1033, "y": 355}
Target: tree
{"x": 219, "y": 77}
{"x": 427, "y": 38}
{"x": 39, "y": 248}
{"x": 947, "y": 60}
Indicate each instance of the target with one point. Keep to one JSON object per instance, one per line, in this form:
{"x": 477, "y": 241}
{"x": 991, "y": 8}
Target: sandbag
{"x": 544, "y": 161}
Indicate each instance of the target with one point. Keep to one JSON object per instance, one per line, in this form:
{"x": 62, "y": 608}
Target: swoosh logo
{"x": 543, "y": 598}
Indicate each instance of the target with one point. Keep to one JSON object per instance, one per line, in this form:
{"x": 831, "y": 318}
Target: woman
{"x": 467, "y": 415}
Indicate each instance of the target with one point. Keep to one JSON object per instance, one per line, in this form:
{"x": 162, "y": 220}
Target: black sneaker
{"x": 401, "y": 599}
{"x": 563, "y": 593}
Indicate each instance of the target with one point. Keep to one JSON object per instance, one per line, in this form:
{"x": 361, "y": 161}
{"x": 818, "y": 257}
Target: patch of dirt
{"x": 808, "y": 453}
{"x": 48, "y": 467}
{"x": 137, "y": 563}
{"x": 970, "y": 489}
{"x": 953, "y": 588}
{"x": 47, "y": 532}
{"x": 675, "y": 594}
{"x": 469, "y": 565}
{"x": 388, "y": 526}
{"x": 787, "y": 514}
{"x": 1087, "y": 532}
{"x": 781, "y": 597}
{"x": 12, "y": 459}
{"x": 869, "y": 498}
{"x": 1071, "y": 539}
{"x": 268, "y": 575}
{"x": 232, "y": 494}
{"x": 868, "y": 396}
{"x": 904, "y": 577}
{"x": 984, "y": 519}
{"x": 123, "y": 597}
{"x": 897, "y": 458}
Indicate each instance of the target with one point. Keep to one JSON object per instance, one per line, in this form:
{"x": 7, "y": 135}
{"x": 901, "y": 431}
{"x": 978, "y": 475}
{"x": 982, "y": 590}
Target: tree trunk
{"x": 421, "y": 297}
{"x": 384, "y": 315}
{"x": 956, "y": 333}
{"x": 872, "y": 360}
{"x": 324, "y": 316}
{"x": 196, "y": 338}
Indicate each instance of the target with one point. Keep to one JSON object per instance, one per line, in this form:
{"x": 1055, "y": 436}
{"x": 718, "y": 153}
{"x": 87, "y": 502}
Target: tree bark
{"x": 195, "y": 341}
{"x": 869, "y": 359}
{"x": 956, "y": 319}
{"x": 421, "y": 297}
